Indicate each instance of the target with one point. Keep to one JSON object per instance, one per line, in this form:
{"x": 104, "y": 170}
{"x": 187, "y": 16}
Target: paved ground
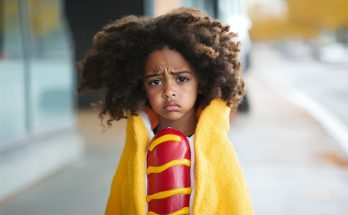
{"x": 292, "y": 166}
{"x": 323, "y": 86}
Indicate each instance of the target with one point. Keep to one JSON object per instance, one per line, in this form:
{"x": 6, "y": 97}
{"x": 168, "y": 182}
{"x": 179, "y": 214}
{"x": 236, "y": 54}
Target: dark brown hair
{"x": 120, "y": 50}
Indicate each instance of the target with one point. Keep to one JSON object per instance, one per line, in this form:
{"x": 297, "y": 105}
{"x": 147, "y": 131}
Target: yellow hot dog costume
{"x": 220, "y": 187}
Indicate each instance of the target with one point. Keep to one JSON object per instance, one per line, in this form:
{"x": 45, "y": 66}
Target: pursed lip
{"x": 171, "y": 106}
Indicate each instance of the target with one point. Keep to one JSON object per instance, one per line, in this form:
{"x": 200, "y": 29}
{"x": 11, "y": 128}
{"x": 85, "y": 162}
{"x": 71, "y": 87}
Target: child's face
{"x": 171, "y": 85}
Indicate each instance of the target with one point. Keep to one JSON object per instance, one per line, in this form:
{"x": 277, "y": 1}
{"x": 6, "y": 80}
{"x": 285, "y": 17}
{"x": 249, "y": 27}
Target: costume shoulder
{"x": 128, "y": 191}
{"x": 220, "y": 184}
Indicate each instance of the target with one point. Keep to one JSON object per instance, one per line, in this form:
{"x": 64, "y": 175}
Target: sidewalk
{"x": 292, "y": 166}
{"x": 290, "y": 163}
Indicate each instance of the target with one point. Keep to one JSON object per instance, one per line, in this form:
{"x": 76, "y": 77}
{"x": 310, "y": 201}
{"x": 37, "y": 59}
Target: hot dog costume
{"x": 219, "y": 185}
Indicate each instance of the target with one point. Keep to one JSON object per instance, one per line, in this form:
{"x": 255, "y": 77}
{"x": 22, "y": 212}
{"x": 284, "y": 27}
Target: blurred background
{"x": 290, "y": 132}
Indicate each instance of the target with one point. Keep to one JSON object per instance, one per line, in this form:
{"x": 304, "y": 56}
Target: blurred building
{"x": 288, "y": 19}
{"x": 37, "y": 93}
{"x": 87, "y": 17}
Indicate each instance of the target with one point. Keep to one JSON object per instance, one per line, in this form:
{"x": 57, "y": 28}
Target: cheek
{"x": 147, "y": 90}
{"x": 191, "y": 90}
{"x": 194, "y": 93}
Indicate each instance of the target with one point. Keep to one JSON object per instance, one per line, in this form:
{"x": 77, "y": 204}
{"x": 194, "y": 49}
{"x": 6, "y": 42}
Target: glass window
{"x": 12, "y": 92}
{"x": 36, "y": 69}
{"x": 228, "y": 8}
{"x": 51, "y": 66}
{"x": 205, "y": 5}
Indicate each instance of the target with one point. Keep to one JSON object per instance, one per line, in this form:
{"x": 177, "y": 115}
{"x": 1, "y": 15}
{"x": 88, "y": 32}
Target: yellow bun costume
{"x": 220, "y": 187}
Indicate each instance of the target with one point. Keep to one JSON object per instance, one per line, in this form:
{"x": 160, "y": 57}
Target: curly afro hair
{"x": 120, "y": 50}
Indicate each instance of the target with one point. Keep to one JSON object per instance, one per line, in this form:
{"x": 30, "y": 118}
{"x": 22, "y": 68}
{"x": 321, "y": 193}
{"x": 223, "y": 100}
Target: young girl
{"x": 175, "y": 78}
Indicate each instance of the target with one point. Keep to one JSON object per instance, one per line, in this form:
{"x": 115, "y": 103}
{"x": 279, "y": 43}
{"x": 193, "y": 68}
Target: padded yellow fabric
{"x": 220, "y": 187}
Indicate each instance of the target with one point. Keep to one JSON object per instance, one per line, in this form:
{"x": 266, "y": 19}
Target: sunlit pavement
{"x": 320, "y": 87}
{"x": 291, "y": 164}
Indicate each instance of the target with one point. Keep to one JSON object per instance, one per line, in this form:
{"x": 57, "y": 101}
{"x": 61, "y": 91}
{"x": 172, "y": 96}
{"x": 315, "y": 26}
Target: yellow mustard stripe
{"x": 168, "y": 193}
{"x": 158, "y": 169}
{"x": 164, "y": 138}
{"x": 182, "y": 211}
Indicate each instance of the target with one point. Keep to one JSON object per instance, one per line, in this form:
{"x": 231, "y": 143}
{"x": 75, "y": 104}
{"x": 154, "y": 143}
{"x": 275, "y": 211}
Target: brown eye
{"x": 182, "y": 79}
{"x": 155, "y": 82}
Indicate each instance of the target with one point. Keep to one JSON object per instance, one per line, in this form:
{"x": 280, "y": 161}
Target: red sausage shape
{"x": 168, "y": 172}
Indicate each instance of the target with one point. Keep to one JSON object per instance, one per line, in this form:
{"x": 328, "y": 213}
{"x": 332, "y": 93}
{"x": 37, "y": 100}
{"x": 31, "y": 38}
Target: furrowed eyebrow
{"x": 180, "y": 72}
{"x": 152, "y": 75}
{"x": 172, "y": 73}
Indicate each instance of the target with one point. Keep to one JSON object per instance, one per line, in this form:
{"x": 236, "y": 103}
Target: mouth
{"x": 171, "y": 106}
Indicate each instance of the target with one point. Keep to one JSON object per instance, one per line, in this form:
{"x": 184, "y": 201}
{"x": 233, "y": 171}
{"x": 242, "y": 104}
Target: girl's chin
{"x": 171, "y": 116}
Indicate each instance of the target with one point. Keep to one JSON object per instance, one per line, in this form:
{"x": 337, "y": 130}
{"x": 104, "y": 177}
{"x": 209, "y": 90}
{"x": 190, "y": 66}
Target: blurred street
{"x": 291, "y": 163}
{"x": 319, "y": 87}
{"x": 306, "y": 170}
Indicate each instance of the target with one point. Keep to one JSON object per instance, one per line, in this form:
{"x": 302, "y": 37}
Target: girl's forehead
{"x": 166, "y": 59}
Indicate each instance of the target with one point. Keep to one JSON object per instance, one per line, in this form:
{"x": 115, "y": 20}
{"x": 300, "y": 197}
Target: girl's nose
{"x": 169, "y": 91}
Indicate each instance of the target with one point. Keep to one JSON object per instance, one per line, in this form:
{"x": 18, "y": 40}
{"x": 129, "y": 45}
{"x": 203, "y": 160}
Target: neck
{"x": 186, "y": 125}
